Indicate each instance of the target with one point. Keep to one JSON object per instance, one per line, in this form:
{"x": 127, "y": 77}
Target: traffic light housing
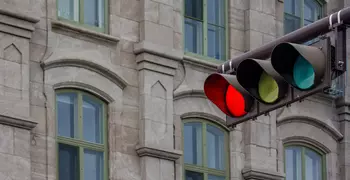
{"x": 256, "y": 87}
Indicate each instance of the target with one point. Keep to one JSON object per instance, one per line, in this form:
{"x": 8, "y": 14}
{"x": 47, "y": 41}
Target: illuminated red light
{"x": 235, "y": 102}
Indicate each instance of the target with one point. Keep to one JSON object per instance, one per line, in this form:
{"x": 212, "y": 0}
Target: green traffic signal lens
{"x": 268, "y": 88}
{"x": 303, "y": 73}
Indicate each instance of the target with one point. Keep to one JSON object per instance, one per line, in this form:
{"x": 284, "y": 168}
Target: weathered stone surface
{"x": 22, "y": 143}
{"x": 130, "y": 9}
{"x": 16, "y": 167}
{"x": 155, "y": 33}
{"x": 6, "y": 139}
{"x": 166, "y": 15}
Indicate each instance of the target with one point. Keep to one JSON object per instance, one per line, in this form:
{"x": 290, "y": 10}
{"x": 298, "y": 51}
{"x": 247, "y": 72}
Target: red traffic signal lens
{"x": 235, "y": 102}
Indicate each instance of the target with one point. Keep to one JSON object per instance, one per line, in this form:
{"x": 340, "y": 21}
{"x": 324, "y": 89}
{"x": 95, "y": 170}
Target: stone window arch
{"x": 206, "y": 148}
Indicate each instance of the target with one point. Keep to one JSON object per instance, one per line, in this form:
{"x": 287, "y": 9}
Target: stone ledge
{"x": 17, "y": 24}
{"x": 147, "y": 47}
{"x": 201, "y": 62}
{"x": 16, "y": 122}
{"x": 85, "y": 32}
{"x": 171, "y": 155}
{"x": 259, "y": 174}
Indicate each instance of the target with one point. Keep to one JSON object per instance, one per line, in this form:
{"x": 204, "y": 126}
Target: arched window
{"x": 304, "y": 163}
{"x": 81, "y": 136}
{"x": 299, "y": 13}
{"x": 205, "y": 151}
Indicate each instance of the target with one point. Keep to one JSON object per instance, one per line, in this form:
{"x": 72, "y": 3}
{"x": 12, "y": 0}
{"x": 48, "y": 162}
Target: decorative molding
{"x": 171, "y": 155}
{"x": 59, "y": 25}
{"x": 202, "y": 115}
{"x": 332, "y": 131}
{"x": 86, "y": 87}
{"x": 16, "y": 122}
{"x": 17, "y": 24}
{"x": 308, "y": 141}
{"x": 259, "y": 174}
{"x": 150, "y": 48}
{"x": 201, "y": 63}
{"x": 189, "y": 93}
{"x": 109, "y": 74}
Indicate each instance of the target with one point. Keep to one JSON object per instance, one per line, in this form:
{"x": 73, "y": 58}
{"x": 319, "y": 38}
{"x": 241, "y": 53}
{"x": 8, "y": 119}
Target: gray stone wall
{"x": 140, "y": 69}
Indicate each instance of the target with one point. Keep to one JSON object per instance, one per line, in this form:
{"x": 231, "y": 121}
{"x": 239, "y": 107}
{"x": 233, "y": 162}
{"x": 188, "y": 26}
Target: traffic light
{"x": 256, "y": 87}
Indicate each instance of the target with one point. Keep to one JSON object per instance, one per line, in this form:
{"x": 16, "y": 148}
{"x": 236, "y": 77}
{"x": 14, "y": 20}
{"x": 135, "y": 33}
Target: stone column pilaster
{"x": 157, "y": 60}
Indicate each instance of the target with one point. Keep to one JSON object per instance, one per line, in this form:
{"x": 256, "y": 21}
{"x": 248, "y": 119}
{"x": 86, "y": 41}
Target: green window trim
{"x": 205, "y": 56}
{"x": 303, "y": 147}
{"x": 202, "y": 168}
{"x": 81, "y": 23}
{"x": 78, "y": 141}
{"x": 302, "y": 19}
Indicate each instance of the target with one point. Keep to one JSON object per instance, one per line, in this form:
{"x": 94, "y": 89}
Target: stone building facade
{"x": 113, "y": 89}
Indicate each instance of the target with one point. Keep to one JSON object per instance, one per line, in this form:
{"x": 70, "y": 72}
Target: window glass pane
{"x": 216, "y": 12}
{"x": 293, "y": 163}
{"x": 67, "y": 114}
{"x": 312, "y": 10}
{"x": 194, "y": 9}
{"x": 292, "y": 7}
{"x": 291, "y": 23}
{"x": 68, "y": 162}
{"x": 94, "y": 12}
{"x": 313, "y": 165}
{"x": 190, "y": 175}
{"x": 193, "y": 143}
{"x": 216, "y": 42}
{"x": 93, "y": 165}
{"x": 193, "y": 36}
{"x": 215, "y": 148}
{"x": 212, "y": 177}
{"x": 92, "y": 120}
{"x": 68, "y": 9}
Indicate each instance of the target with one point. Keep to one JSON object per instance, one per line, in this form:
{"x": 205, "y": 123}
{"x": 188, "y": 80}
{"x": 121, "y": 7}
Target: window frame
{"x": 81, "y": 23}
{"x": 79, "y": 142}
{"x": 303, "y": 147}
{"x": 301, "y": 18}
{"x": 201, "y": 168}
{"x": 205, "y": 56}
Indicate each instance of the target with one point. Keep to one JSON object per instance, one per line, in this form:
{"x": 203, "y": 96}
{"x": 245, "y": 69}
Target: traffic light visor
{"x": 300, "y": 65}
{"x": 224, "y": 91}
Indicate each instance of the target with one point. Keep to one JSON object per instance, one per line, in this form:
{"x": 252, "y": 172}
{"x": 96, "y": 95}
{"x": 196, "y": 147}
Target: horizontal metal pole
{"x": 301, "y": 35}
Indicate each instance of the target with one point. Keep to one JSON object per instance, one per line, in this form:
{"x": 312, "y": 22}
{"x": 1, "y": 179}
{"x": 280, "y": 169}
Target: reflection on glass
{"x": 291, "y": 23}
{"x": 215, "y": 148}
{"x": 68, "y": 162}
{"x": 212, "y": 177}
{"x": 67, "y": 114}
{"x": 293, "y": 163}
{"x": 193, "y": 36}
{"x": 68, "y": 9}
{"x": 215, "y": 12}
{"x": 313, "y": 165}
{"x": 93, "y": 165}
{"x": 190, "y": 175}
{"x": 292, "y": 7}
{"x": 193, "y": 8}
{"x": 92, "y": 120}
{"x": 312, "y": 10}
{"x": 193, "y": 143}
{"x": 216, "y": 42}
{"x": 94, "y": 12}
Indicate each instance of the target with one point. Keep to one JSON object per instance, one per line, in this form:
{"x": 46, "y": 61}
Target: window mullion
{"x": 302, "y": 13}
{"x": 81, "y": 163}
{"x": 205, "y": 29}
{"x": 205, "y": 175}
{"x": 80, "y": 116}
{"x": 81, "y": 11}
{"x": 204, "y": 139}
